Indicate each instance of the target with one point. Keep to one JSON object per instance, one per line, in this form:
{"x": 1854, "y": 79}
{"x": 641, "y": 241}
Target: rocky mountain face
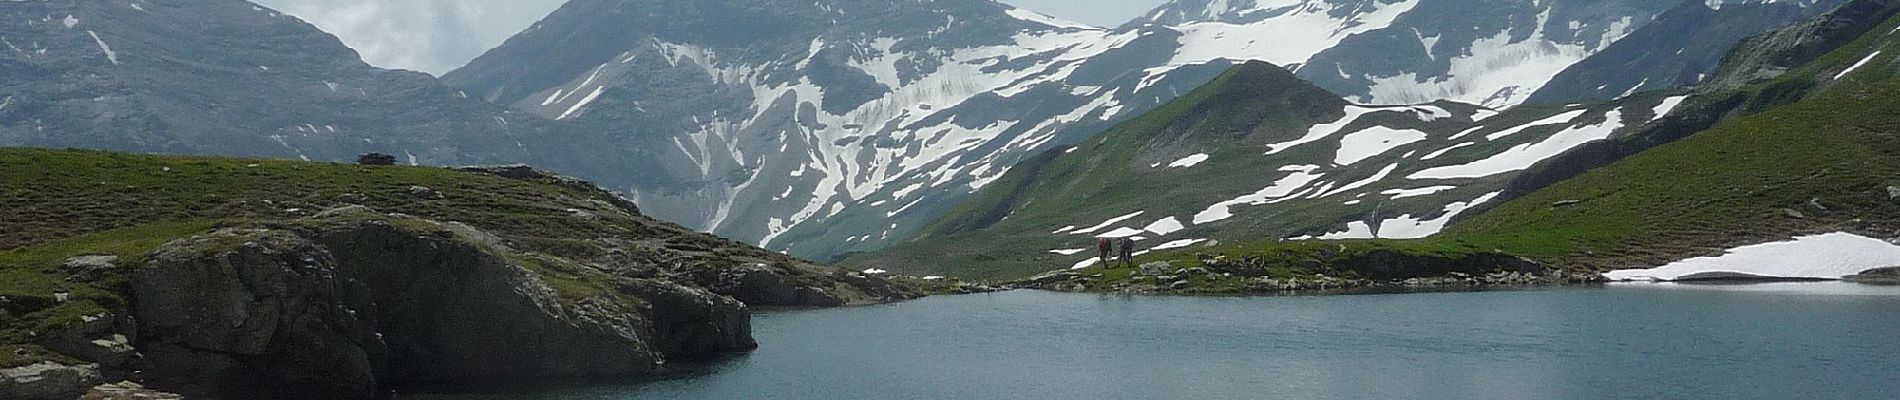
{"x": 1341, "y": 179}
{"x": 1683, "y": 47}
{"x": 226, "y": 77}
{"x": 250, "y": 279}
{"x": 1270, "y": 156}
{"x": 829, "y": 127}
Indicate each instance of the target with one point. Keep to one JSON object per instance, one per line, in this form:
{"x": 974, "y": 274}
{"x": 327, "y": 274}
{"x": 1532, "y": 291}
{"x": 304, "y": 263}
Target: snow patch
{"x": 1177, "y": 244}
{"x": 1667, "y": 105}
{"x": 1068, "y": 252}
{"x": 1110, "y": 221}
{"x": 1419, "y": 192}
{"x": 1551, "y": 120}
{"x": 110, "y": 55}
{"x": 1523, "y": 156}
{"x": 1119, "y": 233}
{"x": 1828, "y": 256}
{"x": 1165, "y": 226}
{"x": 1863, "y": 62}
{"x": 1373, "y": 141}
{"x": 1189, "y": 161}
{"x": 583, "y": 103}
{"x": 1300, "y": 177}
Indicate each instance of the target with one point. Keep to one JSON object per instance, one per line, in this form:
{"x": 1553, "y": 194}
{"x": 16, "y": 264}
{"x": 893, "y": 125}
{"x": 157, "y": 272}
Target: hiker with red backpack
{"x": 1104, "y": 246}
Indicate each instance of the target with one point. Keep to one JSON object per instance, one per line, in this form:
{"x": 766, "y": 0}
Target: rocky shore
{"x": 1375, "y": 272}
{"x": 484, "y": 274}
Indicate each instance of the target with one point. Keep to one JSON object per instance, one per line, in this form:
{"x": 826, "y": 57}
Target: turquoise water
{"x": 1778, "y": 341}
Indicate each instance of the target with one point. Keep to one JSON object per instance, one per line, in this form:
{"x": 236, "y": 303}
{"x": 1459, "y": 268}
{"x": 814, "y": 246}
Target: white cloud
{"x": 436, "y": 36}
{"x": 433, "y": 36}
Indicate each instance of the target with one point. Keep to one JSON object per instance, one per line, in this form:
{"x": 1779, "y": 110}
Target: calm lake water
{"x": 1774, "y": 341}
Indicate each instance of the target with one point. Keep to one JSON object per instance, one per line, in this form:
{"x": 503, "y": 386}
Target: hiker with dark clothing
{"x": 1103, "y": 245}
{"x": 1128, "y": 252}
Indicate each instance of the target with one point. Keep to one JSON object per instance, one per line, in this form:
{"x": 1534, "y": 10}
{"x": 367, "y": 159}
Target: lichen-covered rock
{"x": 454, "y": 309}
{"x": 253, "y": 314}
{"x": 756, "y": 284}
{"x": 47, "y": 381}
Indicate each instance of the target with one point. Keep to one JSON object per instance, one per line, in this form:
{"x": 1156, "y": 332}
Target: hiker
{"x": 1128, "y": 252}
{"x": 1101, "y": 243}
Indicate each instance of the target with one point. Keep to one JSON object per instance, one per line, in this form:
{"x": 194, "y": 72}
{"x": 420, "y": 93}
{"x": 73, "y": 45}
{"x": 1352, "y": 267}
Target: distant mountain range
{"x": 818, "y": 128}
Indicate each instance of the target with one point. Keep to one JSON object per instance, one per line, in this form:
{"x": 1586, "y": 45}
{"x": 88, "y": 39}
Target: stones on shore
{"x": 1378, "y": 270}
{"x": 47, "y": 381}
{"x": 1877, "y": 276}
{"x": 127, "y": 391}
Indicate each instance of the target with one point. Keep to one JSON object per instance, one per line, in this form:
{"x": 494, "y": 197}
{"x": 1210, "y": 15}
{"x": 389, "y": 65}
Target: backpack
{"x": 1102, "y": 244}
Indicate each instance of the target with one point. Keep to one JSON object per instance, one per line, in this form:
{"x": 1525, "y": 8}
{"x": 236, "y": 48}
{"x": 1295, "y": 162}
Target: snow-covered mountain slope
{"x": 225, "y": 77}
{"x": 1683, "y": 47}
{"x": 1408, "y": 51}
{"x": 1267, "y": 156}
{"x": 829, "y": 127}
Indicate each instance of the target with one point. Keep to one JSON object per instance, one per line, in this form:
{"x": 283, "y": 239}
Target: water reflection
{"x": 1618, "y": 342}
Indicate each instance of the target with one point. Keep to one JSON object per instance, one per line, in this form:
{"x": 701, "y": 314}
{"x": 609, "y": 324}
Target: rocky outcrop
{"x": 1395, "y": 265}
{"x": 1877, "y": 276}
{"x": 127, "y": 391}
{"x": 47, "y": 381}
{"x": 349, "y": 303}
{"x": 254, "y": 314}
{"x": 1373, "y": 271}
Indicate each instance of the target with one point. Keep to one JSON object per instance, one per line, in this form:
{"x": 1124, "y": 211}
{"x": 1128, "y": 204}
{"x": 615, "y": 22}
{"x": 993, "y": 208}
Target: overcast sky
{"x": 436, "y": 36}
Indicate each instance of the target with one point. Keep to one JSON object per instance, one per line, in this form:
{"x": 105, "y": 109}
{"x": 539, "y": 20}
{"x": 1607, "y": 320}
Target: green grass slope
{"x": 58, "y": 204}
{"x": 1828, "y": 162}
{"x": 1011, "y": 228}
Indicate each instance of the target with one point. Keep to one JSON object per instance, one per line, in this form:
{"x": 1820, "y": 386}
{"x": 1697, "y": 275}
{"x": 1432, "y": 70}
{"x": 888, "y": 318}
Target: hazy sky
{"x": 436, "y": 36}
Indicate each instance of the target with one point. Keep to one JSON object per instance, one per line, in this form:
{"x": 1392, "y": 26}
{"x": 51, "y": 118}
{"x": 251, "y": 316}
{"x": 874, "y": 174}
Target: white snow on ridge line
{"x": 1119, "y": 233}
{"x": 1287, "y": 39}
{"x": 1039, "y": 18}
{"x": 1189, "y": 161}
{"x": 1068, "y": 252}
{"x": 1828, "y": 256}
{"x": 1524, "y": 156}
{"x": 1106, "y": 224}
{"x": 1863, "y": 62}
{"x": 1321, "y": 131}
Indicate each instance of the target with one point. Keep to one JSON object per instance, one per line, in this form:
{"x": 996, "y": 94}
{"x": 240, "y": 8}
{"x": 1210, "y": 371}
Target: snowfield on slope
{"x": 1828, "y": 256}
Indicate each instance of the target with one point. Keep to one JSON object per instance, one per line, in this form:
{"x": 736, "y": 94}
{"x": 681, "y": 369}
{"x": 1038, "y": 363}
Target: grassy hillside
{"x": 1829, "y": 162}
{"x": 1255, "y": 127}
{"x": 65, "y": 203}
